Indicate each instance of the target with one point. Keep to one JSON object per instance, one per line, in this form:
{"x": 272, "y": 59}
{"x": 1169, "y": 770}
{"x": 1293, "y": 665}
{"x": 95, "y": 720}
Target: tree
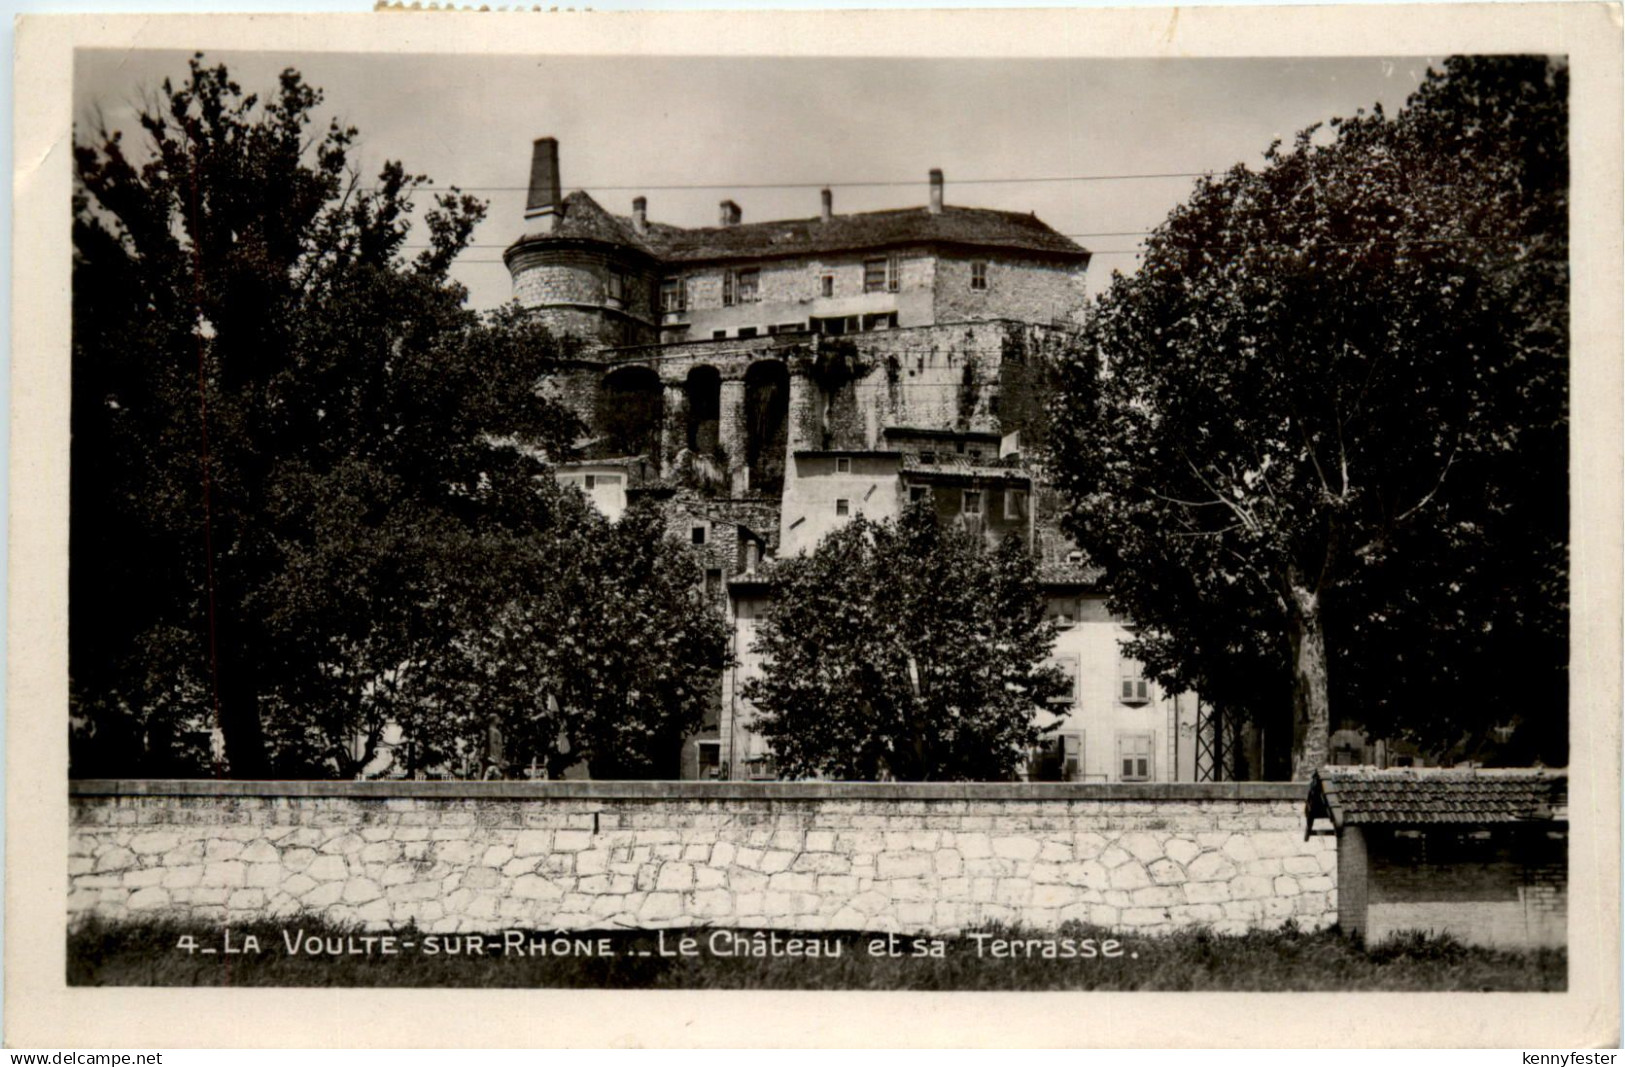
{"x": 1318, "y": 442}
{"x": 605, "y": 649}
{"x": 306, "y": 478}
{"x": 906, "y": 651}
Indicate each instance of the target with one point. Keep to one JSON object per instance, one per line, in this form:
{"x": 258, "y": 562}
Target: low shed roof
{"x": 1365, "y": 796}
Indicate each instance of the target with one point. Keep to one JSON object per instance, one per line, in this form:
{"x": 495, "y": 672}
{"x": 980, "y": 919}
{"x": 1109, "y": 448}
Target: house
{"x": 770, "y": 381}
{"x": 1477, "y": 854}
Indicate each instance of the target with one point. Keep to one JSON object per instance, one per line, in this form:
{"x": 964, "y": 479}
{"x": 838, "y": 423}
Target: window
{"x": 1069, "y": 667}
{"x": 978, "y": 274}
{"x": 843, "y": 465}
{"x": 710, "y": 759}
{"x": 1063, "y": 612}
{"x": 787, "y": 327}
{"x": 747, "y": 331}
{"x": 886, "y": 320}
{"x": 917, "y": 493}
{"x": 976, "y": 453}
{"x": 893, "y": 275}
{"x": 826, "y": 285}
{"x": 673, "y": 294}
{"x": 591, "y": 481}
{"x": 836, "y": 326}
{"x": 697, "y": 534}
{"x": 1133, "y": 688}
{"x": 843, "y": 507}
{"x": 719, "y": 335}
{"x": 1015, "y": 505}
{"x": 874, "y": 275}
{"x": 973, "y": 502}
{"x": 713, "y": 583}
{"x": 617, "y": 288}
{"x": 1057, "y": 758}
{"x": 741, "y": 286}
{"x": 927, "y": 459}
{"x": 1071, "y": 746}
{"x": 1134, "y": 757}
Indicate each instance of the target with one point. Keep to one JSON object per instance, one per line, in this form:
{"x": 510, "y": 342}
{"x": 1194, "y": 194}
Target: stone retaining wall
{"x": 814, "y": 856}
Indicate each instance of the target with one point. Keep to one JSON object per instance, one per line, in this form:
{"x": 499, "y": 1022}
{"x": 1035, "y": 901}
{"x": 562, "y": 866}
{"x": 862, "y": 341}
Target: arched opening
{"x": 767, "y": 409}
{"x": 631, "y": 404}
{"x": 704, "y": 392}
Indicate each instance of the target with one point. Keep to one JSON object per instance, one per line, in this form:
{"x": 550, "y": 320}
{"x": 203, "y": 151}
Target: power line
{"x": 1093, "y": 251}
{"x": 888, "y": 183}
{"x": 1103, "y": 233}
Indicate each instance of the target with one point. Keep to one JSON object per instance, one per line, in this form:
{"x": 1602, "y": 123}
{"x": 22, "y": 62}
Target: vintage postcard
{"x": 540, "y": 514}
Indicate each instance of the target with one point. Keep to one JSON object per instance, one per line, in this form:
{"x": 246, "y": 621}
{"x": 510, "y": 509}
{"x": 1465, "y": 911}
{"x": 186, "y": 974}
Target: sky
{"x": 687, "y": 132}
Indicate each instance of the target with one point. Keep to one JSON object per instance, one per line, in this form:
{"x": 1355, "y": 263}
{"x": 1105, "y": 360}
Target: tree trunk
{"x": 238, "y": 698}
{"x": 1311, "y": 710}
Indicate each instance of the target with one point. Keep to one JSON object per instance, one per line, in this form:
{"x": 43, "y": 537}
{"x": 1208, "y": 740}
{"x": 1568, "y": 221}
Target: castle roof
{"x": 581, "y": 218}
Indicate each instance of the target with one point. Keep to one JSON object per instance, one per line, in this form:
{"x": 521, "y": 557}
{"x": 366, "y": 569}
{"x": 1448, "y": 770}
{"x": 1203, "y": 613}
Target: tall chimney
{"x": 728, "y": 213}
{"x": 827, "y": 212}
{"x": 543, "y": 198}
{"x": 640, "y": 214}
{"x": 936, "y": 191}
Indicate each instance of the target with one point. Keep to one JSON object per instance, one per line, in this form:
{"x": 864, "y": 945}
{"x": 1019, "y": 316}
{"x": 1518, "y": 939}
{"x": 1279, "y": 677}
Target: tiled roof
{"x": 1355, "y": 796}
{"x": 582, "y": 218}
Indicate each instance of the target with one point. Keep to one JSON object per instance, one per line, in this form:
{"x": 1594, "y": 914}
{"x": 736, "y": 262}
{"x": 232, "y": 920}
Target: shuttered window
{"x": 1134, "y": 757}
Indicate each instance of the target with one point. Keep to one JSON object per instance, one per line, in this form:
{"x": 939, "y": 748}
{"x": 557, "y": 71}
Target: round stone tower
{"x": 584, "y": 272}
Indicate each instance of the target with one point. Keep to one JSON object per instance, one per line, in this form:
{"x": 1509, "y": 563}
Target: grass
{"x": 149, "y": 953}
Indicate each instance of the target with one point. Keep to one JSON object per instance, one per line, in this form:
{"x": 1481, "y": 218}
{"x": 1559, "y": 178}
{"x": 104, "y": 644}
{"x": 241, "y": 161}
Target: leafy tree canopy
{"x": 306, "y": 496}
{"x": 904, "y": 651}
{"x": 1319, "y": 440}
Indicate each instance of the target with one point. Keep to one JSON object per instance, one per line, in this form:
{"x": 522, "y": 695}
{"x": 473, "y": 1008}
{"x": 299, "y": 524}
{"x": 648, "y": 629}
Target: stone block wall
{"x": 811, "y": 856}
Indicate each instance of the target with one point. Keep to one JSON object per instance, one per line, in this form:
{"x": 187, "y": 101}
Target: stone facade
{"x": 1015, "y": 289}
{"x": 563, "y": 855}
{"x": 823, "y": 368}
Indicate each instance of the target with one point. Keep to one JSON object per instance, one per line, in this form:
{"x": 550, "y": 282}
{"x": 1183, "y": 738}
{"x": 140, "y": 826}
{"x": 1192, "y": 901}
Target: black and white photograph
{"x": 612, "y": 517}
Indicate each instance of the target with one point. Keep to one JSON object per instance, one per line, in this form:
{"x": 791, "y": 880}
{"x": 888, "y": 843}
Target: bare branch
{"x": 1431, "y": 493}
{"x": 1248, "y": 519}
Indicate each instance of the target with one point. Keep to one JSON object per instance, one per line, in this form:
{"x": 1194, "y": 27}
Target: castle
{"x": 767, "y": 381}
